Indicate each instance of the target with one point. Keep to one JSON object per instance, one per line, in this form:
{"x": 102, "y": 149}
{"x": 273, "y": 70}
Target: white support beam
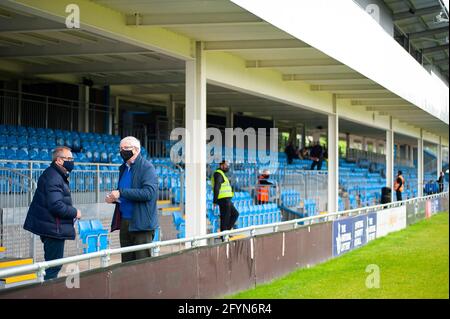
{"x": 384, "y": 109}
{"x": 366, "y": 96}
{"x": 420, "y": 166}
{"x": 333, "y": 158}
{"x": 196, "y": 145}
{"x": 346, "y": 87}
{"x": 254, "y": 45}
{"x": 258, "y": 64}
{"x": 381, "y": 102}
{"x": 322, "y": 76}
{"x": 192, "y": 19}
{"x": 390, "y": 159}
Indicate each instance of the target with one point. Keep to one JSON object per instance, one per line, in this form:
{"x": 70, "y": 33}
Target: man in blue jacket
{"x": 51, "y": 214}
{"x": 136, "y": 213}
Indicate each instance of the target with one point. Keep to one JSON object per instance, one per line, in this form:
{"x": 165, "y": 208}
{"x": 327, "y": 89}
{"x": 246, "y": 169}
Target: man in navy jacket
{"x": 51, "y": 214}
{"x": 135, "y": 214}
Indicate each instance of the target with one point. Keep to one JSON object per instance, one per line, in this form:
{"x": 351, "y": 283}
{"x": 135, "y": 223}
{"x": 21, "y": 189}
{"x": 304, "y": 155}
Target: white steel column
{"x": 439, "y": 157}
{"x": 420, "y": 165}
{"x": 390, "y": 159}
{"x": 195, "y": 138}
{"x": 333, "y": 159}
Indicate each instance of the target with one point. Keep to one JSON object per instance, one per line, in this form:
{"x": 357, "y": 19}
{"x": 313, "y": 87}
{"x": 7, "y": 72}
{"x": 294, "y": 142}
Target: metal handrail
{"x": 194, "y": 241}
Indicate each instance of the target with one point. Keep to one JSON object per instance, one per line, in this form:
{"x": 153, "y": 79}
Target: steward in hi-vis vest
{"x": 223, "y": 193}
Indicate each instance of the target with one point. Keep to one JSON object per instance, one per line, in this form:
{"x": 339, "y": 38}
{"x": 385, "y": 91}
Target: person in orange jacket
{"x": 263, "y": 188}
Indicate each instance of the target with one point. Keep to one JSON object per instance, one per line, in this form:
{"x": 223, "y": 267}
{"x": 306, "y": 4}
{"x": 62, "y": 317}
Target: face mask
{"x": 68, "y": 165}
{"x": 225, "y": 169}
{"x": 266, "y": 176}
{"x": 126, "y": 155}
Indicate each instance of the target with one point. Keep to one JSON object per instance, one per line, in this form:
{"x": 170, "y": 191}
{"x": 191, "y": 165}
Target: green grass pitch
{"x": 413, "y": 263}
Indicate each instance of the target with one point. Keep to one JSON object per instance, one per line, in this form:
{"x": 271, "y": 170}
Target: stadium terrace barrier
{"x": 214, "y": 270}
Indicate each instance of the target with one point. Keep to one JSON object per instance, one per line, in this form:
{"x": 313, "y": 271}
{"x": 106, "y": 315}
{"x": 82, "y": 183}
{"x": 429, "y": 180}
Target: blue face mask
{"x": 68, "y": 165}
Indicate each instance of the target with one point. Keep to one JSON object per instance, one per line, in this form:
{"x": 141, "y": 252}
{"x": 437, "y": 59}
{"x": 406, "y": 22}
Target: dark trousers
{"x": 441, "y": 188}
{"x": 53, "y": 249}
{"x": 228, "y": 214}
{"x": 399, "y": 195}
{"x": 128, "y": 238}
{"x": 318, "y": 164}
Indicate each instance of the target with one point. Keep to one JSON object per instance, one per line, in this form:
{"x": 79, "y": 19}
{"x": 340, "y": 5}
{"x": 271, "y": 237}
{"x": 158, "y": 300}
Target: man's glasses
{"x": 67, "y": 158}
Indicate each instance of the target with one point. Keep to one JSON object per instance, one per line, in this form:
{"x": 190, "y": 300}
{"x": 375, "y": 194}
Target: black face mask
{"x": 225, "y": 169}
{"x": 68, "y": 165}
{"x": 126, "y": 155}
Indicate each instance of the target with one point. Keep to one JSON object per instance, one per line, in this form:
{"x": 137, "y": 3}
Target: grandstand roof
{"x": 418, "y": 20}
{"x": 37, "y": 44}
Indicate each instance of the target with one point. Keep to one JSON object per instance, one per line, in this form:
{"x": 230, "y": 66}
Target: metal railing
{"x": 20, "y": 188}
{"x": 355, "y": 155}
{"x": 89, "y": 187}
{"x": 34, "y": 110}
{"x": 105, "y": 255}
{"x": 312, "y": 185}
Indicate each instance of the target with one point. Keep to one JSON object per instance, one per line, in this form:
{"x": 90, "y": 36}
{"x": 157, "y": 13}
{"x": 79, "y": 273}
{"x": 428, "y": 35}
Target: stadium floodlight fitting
{"x": 441, "y": 18}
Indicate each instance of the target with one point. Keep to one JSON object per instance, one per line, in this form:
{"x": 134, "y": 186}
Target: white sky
{"x": 446, "y": 3}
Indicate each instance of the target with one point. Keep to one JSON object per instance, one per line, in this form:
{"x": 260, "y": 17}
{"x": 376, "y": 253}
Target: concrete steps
{"x": 6, "y": 263}
{"x": 165, "y": 207}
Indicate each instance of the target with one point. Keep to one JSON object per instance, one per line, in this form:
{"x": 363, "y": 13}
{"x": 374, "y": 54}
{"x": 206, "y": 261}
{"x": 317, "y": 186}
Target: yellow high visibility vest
{"x": 225, "y": 190}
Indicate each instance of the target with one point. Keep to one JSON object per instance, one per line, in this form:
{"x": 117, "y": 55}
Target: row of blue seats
{"x": 290, "y": 197}
{"x": 168, "y": 181}
{"x": 12, "y": 130}
{"x": 42, "y": 166}
{"x": 12, "y": 186}
{"x": 93, "y": 236}
{"x": 310, "y": 207}
{"x": 44, "y": 154}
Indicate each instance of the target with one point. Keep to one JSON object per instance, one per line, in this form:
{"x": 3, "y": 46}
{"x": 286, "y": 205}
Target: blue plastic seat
{"x": 93, "y": 236}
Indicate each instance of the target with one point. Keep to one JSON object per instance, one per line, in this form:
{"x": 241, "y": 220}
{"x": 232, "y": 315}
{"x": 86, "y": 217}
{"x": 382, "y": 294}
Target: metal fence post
{"x": 97, "y": 189}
